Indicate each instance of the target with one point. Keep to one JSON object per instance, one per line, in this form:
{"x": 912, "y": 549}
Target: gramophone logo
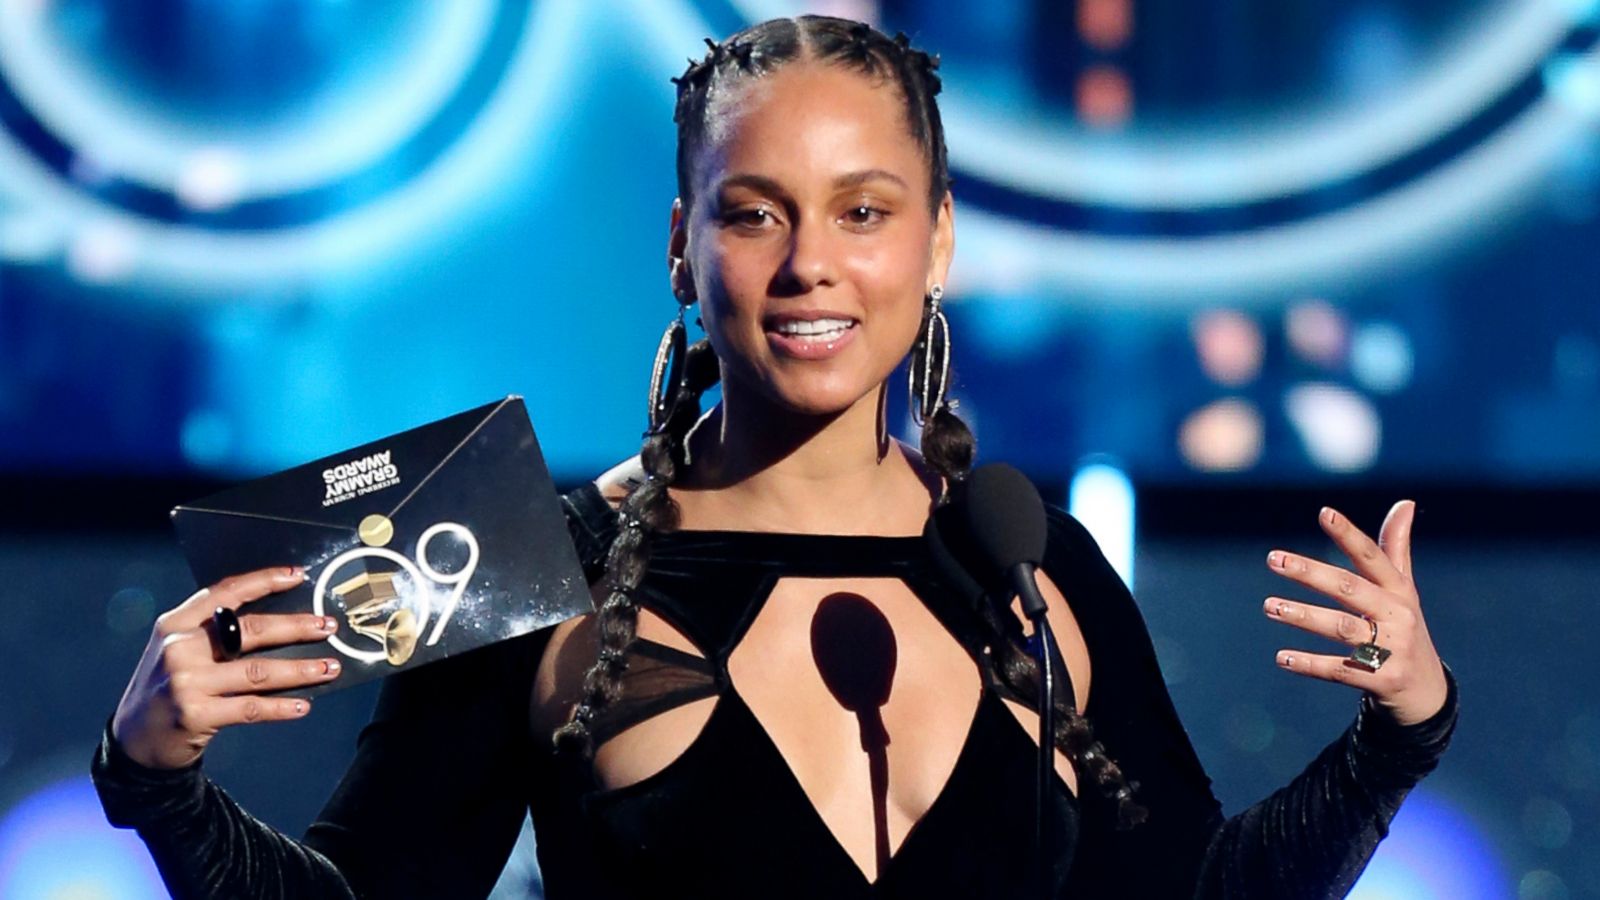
{"x": 390, "y": 600}
{"x": 359, "y": 477}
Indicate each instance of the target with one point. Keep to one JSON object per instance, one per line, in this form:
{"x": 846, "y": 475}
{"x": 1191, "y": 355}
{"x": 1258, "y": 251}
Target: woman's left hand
{"x": 1410, "y": 683}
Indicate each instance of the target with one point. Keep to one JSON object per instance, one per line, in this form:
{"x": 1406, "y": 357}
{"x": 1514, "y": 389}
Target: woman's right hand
{"x": 182, "y": 694}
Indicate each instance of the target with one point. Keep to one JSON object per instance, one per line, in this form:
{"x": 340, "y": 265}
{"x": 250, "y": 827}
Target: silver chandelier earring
{"x": 930, "y": 360}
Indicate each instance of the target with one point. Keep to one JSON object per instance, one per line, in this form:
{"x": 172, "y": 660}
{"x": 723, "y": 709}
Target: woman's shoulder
{"x": 591, "y": 518}
{"x": 618, "y": 481}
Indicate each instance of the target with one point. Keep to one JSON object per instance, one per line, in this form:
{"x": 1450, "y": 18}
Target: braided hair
{"x": 948, "y": 446}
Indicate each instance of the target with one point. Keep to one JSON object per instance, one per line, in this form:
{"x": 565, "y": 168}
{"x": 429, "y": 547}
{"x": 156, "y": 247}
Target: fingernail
{"x": 290, "y": 572}
{"x": 1328, "y": 515}
{"x": 1286, "y": 659}
{"x": 328, "y": 623}
{"x": 299, "y": 707}
{"x": 1275, "y": 558}
{"x": 330, "y": 666}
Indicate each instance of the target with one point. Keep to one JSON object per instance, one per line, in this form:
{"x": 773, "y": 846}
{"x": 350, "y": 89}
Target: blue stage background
{"x": 1244, "y": 255}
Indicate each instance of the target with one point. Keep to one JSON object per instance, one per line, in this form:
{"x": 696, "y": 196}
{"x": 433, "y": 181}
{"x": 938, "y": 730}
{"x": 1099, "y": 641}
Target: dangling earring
{"x": 668, "y": 373}
{"x": 930, "y": 361}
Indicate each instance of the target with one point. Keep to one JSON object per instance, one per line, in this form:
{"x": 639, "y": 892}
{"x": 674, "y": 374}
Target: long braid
{"x": 948, "y": 447}
{"x": 648, "y": 508}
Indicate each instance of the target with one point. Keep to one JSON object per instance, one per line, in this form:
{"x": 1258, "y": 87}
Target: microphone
{"x": 1004, "y": 521}
{"x": 1003, "y": 517}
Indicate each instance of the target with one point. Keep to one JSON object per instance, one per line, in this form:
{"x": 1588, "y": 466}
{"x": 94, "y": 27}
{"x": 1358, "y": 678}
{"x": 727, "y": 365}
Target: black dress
{"x": 727, "y": 818}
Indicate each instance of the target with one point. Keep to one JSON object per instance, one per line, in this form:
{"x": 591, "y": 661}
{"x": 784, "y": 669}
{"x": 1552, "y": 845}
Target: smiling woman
{"x": 797, "y": 683}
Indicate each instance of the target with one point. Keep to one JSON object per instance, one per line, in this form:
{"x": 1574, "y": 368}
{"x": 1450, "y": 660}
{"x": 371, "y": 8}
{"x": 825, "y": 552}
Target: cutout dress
{"x": 727, "y": 817}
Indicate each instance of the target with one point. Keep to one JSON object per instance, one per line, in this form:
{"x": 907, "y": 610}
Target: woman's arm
{"x": 430, "y": 806}
{"x": 1311, "y": 838}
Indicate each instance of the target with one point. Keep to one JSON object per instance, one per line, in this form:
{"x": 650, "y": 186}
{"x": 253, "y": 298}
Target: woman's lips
{"x": 824, "y": 344}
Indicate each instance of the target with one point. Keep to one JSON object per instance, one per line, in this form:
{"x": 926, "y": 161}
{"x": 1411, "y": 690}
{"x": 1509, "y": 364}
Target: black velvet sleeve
{"x": 1309, "y": 839}
{"x": 430, "y": 806}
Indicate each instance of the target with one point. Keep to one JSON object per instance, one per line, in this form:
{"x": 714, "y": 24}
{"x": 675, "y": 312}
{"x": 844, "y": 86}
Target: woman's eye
{"x": 864, "y": 215}
{"x": 750, "y": 218}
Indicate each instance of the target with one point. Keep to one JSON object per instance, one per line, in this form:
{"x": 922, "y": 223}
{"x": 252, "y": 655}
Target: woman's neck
{"x": 759, "y": 469}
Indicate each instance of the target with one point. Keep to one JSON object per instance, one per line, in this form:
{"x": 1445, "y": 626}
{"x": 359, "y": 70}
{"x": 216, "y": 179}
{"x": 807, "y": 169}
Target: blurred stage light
{"x": 1247, "y": 162}
{"x": 56, "y": 845}
{"x": 1574, "y": 79}
{"x": 1223, "y": 436}
{"x": 103, "y": 252}
{"x": 1105, "y": 24}
{"x": 1339, "y": 428}
{"x": 1104, "y": 97}
{"x": 362, "y": 170}
{"x": 212, "y": 179}
{"x": 1433, "y": 852}
{"x": 1381, "y": 357}
{"x": 1102, "y": 498}
{"x": 1229, "y": 345}
{"x": 1317, "y": 332}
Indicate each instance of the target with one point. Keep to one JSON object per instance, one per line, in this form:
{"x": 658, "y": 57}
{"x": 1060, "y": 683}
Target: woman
{"x": 785, "y": 692}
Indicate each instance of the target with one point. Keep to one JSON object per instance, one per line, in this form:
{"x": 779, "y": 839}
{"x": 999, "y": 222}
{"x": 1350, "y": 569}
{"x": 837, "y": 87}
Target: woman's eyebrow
{"x": 765, "y": 185}
{"x": 857, "y": 179}
{"x": 759, "y": 183}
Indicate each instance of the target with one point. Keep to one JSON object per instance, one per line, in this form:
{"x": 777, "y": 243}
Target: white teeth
{"x": 819, "y": 328}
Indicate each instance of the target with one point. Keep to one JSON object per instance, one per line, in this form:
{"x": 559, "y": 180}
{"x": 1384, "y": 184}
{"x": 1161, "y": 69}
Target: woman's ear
{"x": 678, "y": 275}
{"x": 944, "y": 241}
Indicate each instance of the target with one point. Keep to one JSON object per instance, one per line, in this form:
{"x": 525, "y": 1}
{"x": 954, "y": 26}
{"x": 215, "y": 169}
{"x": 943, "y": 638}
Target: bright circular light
{"x": 1223, "y": 436}
{"x": 56, "y": 843}
{"x": 1339, "y": 428}
{"x": 1229, "y": 344}
{"x": 1381, "y": 357}
{"x": 1426, "y": 830}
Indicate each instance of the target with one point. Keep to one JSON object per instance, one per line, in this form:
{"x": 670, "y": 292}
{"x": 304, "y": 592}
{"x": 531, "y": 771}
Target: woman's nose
{"x": 811, "y": 262}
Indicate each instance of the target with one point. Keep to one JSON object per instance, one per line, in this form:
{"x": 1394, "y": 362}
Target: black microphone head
{"x": 1004, "y": 516}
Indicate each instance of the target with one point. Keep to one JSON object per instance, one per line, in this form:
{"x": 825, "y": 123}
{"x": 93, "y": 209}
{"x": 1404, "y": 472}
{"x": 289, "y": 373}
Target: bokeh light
{"x": 56, "y": 845}
{"x": 1340, "y": 429}
{"x": 1223, "y": 436}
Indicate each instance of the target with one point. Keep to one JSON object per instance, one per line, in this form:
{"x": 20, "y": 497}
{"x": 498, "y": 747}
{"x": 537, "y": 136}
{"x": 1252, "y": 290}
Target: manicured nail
{"x": 328, "y": 623}
{"x": 330, "y": 666}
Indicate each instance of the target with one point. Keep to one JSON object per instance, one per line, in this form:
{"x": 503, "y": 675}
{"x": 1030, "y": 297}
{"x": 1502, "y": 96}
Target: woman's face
{"x": 810, "y": 245}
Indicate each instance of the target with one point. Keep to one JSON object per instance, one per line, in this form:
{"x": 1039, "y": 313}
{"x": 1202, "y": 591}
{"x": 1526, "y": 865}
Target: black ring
{"x": 225, "y": 622}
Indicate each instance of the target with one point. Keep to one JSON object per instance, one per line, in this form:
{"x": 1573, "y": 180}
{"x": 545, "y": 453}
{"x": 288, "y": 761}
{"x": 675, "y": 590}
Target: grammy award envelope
{"x": 423, "y": 545}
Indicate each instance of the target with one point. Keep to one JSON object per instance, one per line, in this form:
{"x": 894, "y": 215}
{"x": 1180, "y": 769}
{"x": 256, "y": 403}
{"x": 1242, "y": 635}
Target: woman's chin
{"x": 822, "y": 400}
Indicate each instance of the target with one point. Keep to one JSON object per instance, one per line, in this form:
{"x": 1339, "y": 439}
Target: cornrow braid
{"x": 648, "y": 508}
{"x": 767, "y": 46}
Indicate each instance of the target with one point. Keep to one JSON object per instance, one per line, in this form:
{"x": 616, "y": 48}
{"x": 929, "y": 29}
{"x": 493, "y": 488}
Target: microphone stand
{"x": 1043, "y": 642}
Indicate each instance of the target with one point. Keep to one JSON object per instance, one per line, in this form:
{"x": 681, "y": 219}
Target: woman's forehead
{"x": 809, "y": 122}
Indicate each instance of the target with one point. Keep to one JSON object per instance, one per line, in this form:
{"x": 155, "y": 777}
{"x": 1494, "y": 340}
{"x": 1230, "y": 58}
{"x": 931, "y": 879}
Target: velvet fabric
{"x": 443, "y": 774}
